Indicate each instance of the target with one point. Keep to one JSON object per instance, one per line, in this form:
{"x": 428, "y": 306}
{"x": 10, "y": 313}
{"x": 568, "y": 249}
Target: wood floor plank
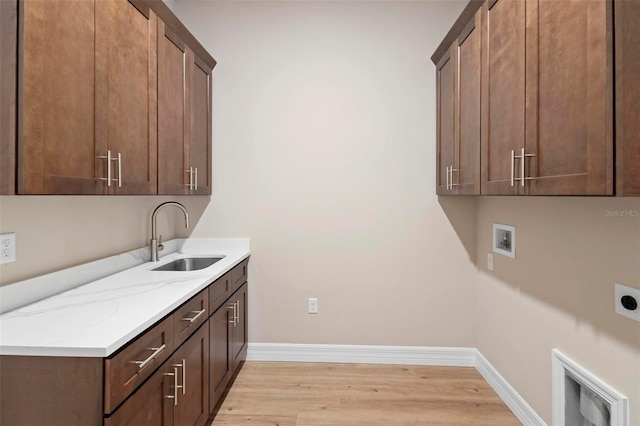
{"x": 279, "y": 393}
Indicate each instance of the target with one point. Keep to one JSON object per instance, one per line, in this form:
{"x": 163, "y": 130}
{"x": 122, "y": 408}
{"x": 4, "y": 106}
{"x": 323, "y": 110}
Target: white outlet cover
{"x": 490, "y": 261}
{"x": 623, "y": 290}
{"x": 313, "y": 305}
{"x": 8, "y": 245}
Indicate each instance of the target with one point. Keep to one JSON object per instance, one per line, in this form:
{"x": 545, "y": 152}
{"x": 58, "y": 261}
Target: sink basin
{"x": 188, "y": 264}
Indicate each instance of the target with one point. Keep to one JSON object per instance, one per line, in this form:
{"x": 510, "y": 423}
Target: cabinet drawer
{"x": 190, "y": 316}
{"x": 149, "y": 405}
{"x": 239, "y": 274}
{"x": 131, "y": 366}
{"x": 219, "y": 291}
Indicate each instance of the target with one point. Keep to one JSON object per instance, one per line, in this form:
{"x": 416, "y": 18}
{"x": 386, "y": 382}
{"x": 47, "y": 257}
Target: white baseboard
{"x": 361, "y": 354}
{"x": 508, "y": 394}
{"x": 408, "y": 355}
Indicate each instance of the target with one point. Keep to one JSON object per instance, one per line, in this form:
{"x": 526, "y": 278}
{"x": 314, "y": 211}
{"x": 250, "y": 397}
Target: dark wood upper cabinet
{"x": 88, "y": 107}
{"x": 547, "y": 80}
{"x": 173, "y": 113}
{"x": 184, "y": 109}
{"x": 57, "y": 93}
{"x": 126, "y": 105}
{"x": 465, "y": 173}
{"x": 446, "y": 95}
{"x": 458, "y": 100}
{"x": 569, "y": 98}
{"x": 8, "y": 95}
{"x": 503, "y": 90}
{"x": 627, "y": 47}
{"x": 108, "y": 100}
{"x": 200, "y": 121}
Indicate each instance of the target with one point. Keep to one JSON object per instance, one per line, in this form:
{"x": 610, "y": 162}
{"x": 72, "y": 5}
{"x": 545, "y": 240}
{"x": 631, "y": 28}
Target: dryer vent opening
{"x": 582, "y": 399}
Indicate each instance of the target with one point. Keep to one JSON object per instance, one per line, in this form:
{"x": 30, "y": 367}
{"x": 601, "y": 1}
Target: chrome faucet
{"x": 156, "y": 245}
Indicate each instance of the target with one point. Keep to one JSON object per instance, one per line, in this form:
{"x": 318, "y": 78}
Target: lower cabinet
{"x": 220, "y": 365}
{"x": 177, "y": 393}
{"x": 149, "y": 405}
{"x": 191, "y": 395}
{"x": 227, "y": 343}
{"x": 187, "y": 387}
{"x": 239, "y": 327}
{"x": 172, "y": 374}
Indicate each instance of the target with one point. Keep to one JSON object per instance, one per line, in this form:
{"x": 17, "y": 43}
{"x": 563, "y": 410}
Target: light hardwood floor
{"x": 281, "y": 393}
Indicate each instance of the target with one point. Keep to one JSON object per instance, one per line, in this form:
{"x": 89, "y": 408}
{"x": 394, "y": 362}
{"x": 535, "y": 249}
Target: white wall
{"x": 58, "y": 232}
{"x": 324, "y": 146}
{"x": 559, "y": 292}
{"x": 324, "y": 154}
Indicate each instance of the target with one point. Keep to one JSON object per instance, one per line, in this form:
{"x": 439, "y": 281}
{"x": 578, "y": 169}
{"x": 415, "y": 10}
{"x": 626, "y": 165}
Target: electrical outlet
{"x": 8, "y": 248}
{"x": 313, "y": 305}
{"x": 627, "y": 301}
{"x": 490, "y": 261}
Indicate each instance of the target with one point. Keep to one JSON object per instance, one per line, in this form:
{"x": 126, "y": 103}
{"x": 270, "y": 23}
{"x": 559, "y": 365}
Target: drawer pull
{"x": 156, "y": 352}
{"x": 198, "y": 315}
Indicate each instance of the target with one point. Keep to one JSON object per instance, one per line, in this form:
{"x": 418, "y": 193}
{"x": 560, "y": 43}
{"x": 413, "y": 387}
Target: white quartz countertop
{"x": 99, "y": 317}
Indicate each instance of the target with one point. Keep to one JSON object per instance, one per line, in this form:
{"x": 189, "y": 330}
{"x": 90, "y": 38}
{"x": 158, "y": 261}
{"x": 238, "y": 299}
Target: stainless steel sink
{"x": 188, "y": 264}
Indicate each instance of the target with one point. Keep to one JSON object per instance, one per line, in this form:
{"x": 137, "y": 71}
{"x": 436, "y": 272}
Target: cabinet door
{"x": 465, "y": 175}
{"x": 8, "y": 95}
{"x": 173, "y": 113}
{"x": 56, "y": 122}
{"x": 239, "y": 331}
{"x": 503, "y": 93}
{"x": 220, "y": 364}
{"x": 192, "y": 361}
{"x": 152, "y": 404}
{"x": 127, "y": 94}
{"x": 627, "y": 15}
{"x": 569, "y": 97}
{"x": 446, "y": 85}
{"x": 200, "y": 134}
{"x": 52, "y": 391}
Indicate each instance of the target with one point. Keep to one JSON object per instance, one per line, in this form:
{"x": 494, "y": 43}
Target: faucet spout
{"x": 155, "y": 246}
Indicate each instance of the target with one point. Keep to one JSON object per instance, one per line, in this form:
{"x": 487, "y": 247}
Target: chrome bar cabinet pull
{"x": 451, "y": 184}
{"x": 156, "y": 352}
{"x": 109, "y": 159}
{"x": 198, "y": 314}
{"x": 175, "y": 386}
{"x": 190, "y": 171}
{"x": 183, "y": 366}
{"x": 196, "y": 177}
{"x": 119, "y": 159}
{"x": 233, "y": 314}
{"x": 513, "y": 166}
